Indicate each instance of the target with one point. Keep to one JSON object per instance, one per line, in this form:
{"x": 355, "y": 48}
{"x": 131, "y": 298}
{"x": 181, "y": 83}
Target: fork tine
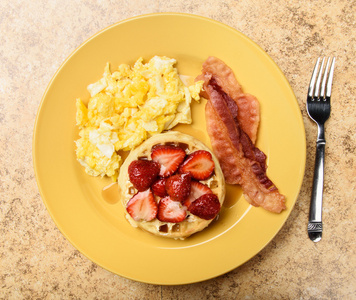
{"x": 330, "y": 79}
{"x": 317, "y": 84}
{"x": 313, "y": 78}
{"x": 323, "y": 84}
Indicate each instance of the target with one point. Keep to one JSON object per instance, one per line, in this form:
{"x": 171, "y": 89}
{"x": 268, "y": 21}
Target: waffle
{"x": 192, "y": 223}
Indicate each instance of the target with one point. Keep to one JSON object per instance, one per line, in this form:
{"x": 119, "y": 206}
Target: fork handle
{"x": 315, "y": 226}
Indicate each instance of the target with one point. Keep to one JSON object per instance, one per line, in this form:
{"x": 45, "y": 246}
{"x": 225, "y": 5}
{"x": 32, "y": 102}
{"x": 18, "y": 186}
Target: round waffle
{"x": 192, "y": 223}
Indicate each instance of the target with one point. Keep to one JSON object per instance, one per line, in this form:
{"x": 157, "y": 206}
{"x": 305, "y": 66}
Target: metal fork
{"x": 318, "y": 107}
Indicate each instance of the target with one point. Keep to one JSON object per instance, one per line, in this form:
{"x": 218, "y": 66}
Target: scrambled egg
{"x": 128, "y": 106}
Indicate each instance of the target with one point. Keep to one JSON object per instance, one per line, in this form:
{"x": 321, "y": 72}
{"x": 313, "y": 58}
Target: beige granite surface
{"x": 37, "y": 262}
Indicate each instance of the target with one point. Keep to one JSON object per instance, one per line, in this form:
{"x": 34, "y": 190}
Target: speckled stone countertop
{"x": 37, "y": 262}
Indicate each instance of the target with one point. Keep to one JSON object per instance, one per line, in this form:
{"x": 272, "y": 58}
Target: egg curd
{"x": 128, "y": 106}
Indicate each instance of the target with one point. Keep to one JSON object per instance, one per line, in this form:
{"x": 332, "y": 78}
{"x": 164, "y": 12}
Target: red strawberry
{"x": 171, "y": 211}
{"x": 199, "y": 164}
{"x": 159, "y": 187}
{"x": 197, "y": 189}
{"x": 169, "y": 157}
{"x": 142, "y": 206}
{"x": 206, "y": 206}
{"x": 178, "y": 186}
{"x": 142, "y": 173}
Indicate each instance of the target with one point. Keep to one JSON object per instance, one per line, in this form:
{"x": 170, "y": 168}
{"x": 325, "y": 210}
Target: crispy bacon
{"x": 248, "y": 112}
{"x": 242, "y": 163}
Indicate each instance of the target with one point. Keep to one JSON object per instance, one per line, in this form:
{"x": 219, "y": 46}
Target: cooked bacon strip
{"x": 242, "y": 163}
{"x": 249, "y": 107}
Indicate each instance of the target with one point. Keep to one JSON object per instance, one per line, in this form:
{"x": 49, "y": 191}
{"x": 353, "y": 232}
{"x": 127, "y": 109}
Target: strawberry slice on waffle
{"x": 169, "y": 157}
{"x": 171, "y": 211}
{"x": 199, "y": 164}
{"x": 142, "y": 206}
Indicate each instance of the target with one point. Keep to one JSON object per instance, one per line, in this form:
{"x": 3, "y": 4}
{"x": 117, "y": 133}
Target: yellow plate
{"x": 97, "y": 228}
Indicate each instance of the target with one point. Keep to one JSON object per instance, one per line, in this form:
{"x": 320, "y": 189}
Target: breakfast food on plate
{"x": 232, "y": 122}
{"x": 171, "y": 185}
{"x": 128, "y": 106}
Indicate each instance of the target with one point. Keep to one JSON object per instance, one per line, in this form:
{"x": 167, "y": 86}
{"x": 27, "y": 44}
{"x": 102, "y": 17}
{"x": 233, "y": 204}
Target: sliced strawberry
{"x": 178, "y": 186}
{"x": 142, "y": 206}
{"x": 206, "y": 206}
{"x": 159, "y": 187}
{"x": 197, "y": 189}
{"x": 199, "y": 164}
{"x": 171, "y": 211}
{"x": 169, "y": 157}
{"x": 142, "y": 173}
